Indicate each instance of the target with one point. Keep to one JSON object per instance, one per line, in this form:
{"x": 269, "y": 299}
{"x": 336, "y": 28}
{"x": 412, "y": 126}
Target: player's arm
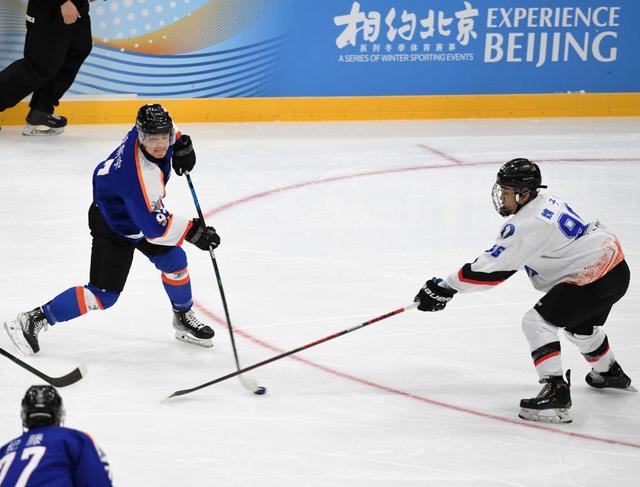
{"x": 158, "y": 225}
{"x": 494, "y": 266}
{"x": 142, "y": 190}
{"x": 161, "y": 227}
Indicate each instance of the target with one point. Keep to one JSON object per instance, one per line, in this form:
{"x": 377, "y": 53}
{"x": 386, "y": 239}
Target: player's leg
{"x": 43, "y": 55}
{"x": 581, "y": 311}
{"x": 172, "y": 262}
{"x": 590, "y": 337}
{"x": 111, "y": 257}
{"x": 552, "y": 403}
{"x": 47, "y": 96}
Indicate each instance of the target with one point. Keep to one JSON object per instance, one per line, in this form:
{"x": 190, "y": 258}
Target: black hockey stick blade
{"x": 66, "y": 380}
{"x": 291, "y": 352}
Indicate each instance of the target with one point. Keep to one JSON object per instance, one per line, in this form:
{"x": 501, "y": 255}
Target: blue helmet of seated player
{"x": 156, "y": 132}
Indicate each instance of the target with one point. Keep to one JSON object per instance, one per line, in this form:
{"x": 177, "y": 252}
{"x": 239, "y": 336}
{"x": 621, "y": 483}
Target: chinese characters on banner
{"x": 406, "y": 36}
{"x": 514, "y": 34}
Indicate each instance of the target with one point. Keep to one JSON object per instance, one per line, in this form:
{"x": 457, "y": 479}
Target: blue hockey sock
{"x": 178, "y": 287}
{"x": 77, "y": 301}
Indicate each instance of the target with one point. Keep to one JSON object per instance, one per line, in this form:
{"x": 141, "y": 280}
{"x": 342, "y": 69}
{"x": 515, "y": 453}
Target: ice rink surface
{"x": 323, "y": 227}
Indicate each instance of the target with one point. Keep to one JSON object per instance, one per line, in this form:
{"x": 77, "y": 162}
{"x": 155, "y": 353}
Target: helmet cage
{"x": 521, "y": 175}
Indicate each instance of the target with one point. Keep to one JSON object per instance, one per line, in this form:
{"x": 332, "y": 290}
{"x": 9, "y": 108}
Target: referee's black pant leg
{"x": 579, "y": 308}
{"x": 74, "y": 49}
{"x": 111, "y": 255}
{"x": 44, "y": 52}
{"x": 17, "y": 81}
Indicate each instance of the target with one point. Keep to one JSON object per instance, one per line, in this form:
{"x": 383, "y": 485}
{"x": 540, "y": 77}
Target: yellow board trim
{"x": 107, "y": 111}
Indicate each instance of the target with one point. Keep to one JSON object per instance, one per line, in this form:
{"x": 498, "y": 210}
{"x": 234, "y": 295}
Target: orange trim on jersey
{"x": 184, "y": 235}
{"x": 603, "y": 266}
{"x": 140, "y": 178}
{"x": 166, "y": 231}
{"x": 618, "y": 258}
{"x": 164, "y": 190}
{"x": 82, "y": 304}
{"x": 545, "y": 357}
{"x": 461, "y": 278}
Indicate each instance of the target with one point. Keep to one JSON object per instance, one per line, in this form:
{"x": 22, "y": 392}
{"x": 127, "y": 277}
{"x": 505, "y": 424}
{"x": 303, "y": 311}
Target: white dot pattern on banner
{"x": 121, "y": 18}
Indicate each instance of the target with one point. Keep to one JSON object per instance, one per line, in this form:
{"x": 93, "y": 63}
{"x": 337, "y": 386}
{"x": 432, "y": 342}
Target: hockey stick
{"x": 66, "y": 380}
{"x": 291, "y": 352}
{"x": 248, "y": 382}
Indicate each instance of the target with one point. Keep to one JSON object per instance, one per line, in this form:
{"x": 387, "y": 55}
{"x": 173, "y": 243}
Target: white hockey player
{"x": 577, "y": 262}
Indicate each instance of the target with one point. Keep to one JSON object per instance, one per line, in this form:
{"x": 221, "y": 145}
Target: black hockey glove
{"x": 184, "y": 157}
{"x": 201, "y": 236}
{"x": 433, "y": 297}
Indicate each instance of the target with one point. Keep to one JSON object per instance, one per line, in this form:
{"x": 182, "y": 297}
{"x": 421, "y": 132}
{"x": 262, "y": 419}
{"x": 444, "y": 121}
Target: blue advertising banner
{"x": 311, "y": 48}
{"x": 376, "y": 47}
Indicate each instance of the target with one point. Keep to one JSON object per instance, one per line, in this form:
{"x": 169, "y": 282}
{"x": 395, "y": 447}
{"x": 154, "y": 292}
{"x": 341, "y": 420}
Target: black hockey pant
{"x": 579, "y": 308}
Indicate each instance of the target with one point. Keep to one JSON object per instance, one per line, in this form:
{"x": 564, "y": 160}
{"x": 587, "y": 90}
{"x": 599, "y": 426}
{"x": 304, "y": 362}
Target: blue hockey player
{"x": 48, "y": 454}
{"x": 128, "y": 213}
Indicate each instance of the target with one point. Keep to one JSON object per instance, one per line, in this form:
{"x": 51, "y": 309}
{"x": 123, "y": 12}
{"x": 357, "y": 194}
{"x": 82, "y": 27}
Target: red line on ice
{"x": 456, "y": 163}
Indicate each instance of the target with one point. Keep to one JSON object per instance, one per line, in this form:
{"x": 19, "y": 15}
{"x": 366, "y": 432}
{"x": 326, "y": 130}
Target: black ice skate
{"x": 191, "y": 330}
{"x": 614, "y": 378}
{"x": 24, "y": 330}
{"x": 43, "y": 123}
{"x": 551, "y": 405}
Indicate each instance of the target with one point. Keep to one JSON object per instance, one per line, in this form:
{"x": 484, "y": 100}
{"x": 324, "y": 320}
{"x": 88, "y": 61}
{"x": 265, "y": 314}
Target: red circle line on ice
{"x": 453, "y": 163}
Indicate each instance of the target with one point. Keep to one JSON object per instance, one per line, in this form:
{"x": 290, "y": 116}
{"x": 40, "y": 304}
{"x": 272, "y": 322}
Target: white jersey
{"x": 551, "y": 242}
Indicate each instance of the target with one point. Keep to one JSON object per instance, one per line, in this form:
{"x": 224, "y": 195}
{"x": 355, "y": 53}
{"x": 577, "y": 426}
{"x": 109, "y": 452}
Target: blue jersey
{"x": 128, "y": 188}
{"x": 53, "y": 456}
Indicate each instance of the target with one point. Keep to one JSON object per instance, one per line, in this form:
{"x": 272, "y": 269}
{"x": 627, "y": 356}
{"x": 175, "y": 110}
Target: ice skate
{"x": 552, "y": 404}
{"x": 24, "y": 330}
{"x": 614, "y": 378}
{"x": 191, "y": 330}
{"x": 43, "y": 123}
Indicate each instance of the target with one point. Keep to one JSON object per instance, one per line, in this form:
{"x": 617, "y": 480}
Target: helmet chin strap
{"x": 531, "y": 194}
